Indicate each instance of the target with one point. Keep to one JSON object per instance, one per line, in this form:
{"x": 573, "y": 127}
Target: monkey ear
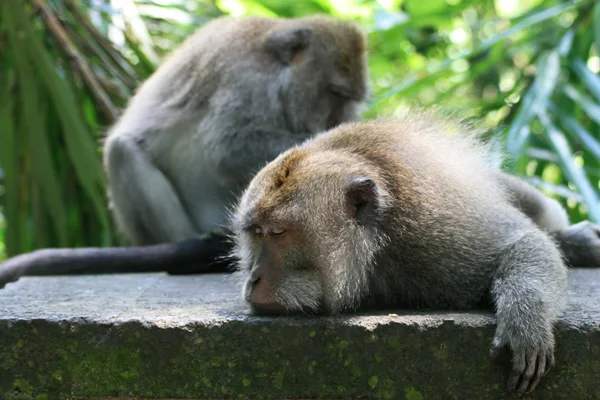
{"x": 289, "y": 44}
{"x": 361, "y": 196}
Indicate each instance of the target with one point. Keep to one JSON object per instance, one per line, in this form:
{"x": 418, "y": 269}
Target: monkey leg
{"x": 546, "y": 212}
{"x": 528, "y": 290}
{"x": 580, "y": 243}
{"x": 145, "y": 203}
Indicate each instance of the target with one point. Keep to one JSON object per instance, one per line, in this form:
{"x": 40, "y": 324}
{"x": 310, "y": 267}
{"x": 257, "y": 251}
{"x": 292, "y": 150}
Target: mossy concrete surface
{"x": 166, "y": 337}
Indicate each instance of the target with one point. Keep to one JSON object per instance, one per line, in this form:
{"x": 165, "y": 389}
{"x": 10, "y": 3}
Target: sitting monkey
{"x": 396, "y": 213}
{"x": 228, "y": 100}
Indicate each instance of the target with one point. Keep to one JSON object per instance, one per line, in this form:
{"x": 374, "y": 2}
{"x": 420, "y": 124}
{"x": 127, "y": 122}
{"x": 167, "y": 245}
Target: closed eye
{"x": 277, "y": 231}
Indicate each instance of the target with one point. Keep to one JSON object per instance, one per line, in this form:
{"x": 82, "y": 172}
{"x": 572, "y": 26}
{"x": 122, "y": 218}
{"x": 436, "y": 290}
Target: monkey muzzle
{"x": 260, "y": 293}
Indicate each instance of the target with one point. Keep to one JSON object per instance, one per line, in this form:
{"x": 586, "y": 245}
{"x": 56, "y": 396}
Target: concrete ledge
{"x": 159, "y": 336}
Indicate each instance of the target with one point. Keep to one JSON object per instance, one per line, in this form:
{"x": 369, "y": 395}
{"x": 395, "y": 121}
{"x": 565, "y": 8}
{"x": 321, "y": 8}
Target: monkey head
{"x": 325, "y": 68}
{"x": 306, "y": 232}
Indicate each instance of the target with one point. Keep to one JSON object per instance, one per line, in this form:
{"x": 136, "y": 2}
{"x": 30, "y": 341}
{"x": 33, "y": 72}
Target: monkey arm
{"x": 246, "y": 150}
{"x": 145, "y": 202}
{"x": 526, "y": 290}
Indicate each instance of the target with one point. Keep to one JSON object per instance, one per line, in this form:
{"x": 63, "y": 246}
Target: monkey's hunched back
{"x": 400, "y": 213}
{"x": 445, "y": 209}
{"x": 229, "y": 99}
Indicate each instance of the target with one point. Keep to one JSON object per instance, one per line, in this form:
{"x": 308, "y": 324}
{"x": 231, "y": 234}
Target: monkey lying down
{"x": 398, "y": 214}
{"x": 216, "y": 111}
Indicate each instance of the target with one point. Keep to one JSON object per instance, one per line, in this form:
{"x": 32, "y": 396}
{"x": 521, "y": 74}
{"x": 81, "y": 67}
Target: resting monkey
{"x": 395, "y": 213}
{"x": 228, "y": 100}
{"x": 231, "y": 98}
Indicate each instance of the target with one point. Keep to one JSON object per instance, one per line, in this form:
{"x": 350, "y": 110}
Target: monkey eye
{"x": 277, "y": 231}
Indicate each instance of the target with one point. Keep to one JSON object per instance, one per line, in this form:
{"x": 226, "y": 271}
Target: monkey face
{"x": 278, "y": 277}
{"x": 325, "y": 77}
{"x": 306, "y": 235}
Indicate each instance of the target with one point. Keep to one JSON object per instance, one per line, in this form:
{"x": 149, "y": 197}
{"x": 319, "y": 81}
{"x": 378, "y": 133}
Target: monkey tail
{"x": 191, "y": 256}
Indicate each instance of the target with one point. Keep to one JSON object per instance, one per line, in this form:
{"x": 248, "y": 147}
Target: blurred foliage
{"x": 527, "y": 68}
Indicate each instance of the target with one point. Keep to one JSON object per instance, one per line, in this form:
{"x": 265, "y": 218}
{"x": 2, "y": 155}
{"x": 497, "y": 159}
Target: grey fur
{"x": 580, "y": 243}
{"x": 226, "y": 102}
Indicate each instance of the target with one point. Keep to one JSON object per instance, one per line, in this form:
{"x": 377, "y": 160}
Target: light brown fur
{"x": 399, "y": 213}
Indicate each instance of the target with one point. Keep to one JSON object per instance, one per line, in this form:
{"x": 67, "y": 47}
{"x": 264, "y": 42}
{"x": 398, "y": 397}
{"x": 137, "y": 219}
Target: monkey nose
{"x": 260, "y": 296}
{"x": 255, "y": 276}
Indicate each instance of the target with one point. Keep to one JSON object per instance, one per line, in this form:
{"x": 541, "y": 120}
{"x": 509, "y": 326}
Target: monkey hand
{"x": 532, "y": 358}
{"x": 580, "y": 244}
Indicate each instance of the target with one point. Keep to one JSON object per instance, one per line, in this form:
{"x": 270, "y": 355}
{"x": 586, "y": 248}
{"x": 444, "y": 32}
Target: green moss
{"x": 278, "y": 380}
{"x": 206, "y": 382}
{"x": 348, "y": 361}
{"x": 412, "y": 394}
{"x": 440, "y": 352}
{"x": 21, "y": 385}
{"x": 372, "y": 338}
{"x": 343, "y": 345}
{"x": 393, "y": 342}
{"x": 373, "y": 381}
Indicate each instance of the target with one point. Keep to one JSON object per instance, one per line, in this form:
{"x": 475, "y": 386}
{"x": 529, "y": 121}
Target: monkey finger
{"x": 519, "y": 365}
{"x": 540, "y": 371}
{"x": 549, "y": 362}
{"x": 529, "y": 372}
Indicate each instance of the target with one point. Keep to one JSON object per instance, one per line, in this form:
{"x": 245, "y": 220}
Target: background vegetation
{"x": 528, "y": 68}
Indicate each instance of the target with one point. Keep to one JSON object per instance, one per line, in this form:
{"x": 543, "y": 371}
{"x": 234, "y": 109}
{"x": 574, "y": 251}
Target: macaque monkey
{"x": 397, "y": 213}
{"x": 235, "y": 95}
{"x": 228, "y": 100}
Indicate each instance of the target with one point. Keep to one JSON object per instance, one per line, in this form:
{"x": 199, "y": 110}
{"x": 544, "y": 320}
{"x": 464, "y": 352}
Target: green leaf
{"x": 560, "y": 190}
{"x": 548, "y": 69}
{"x": 591, "y": 108}
{"x": 589, "y": 79}
{"x": 419, "y": 9}
{"x": 575, "y": 173}
{"x": 137, "y": 27}
{"x": 33, "y": 123}
{"x": 533, "y": 19}
{"x": 578, "y": 131}
{"x": 8, "y": 155}
{"x": 80, "y": 144}
{"x": 597, "y": 26}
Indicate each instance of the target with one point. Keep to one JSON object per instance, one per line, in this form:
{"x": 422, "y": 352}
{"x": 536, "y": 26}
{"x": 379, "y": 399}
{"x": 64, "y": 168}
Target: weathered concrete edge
{"x": 412, "y": 356}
